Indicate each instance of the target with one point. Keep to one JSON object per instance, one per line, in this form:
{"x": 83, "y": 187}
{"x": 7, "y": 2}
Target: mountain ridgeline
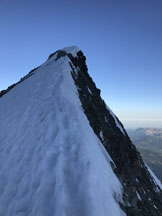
{"x": 76, "y": 146}
{"x": 140, "y": 194}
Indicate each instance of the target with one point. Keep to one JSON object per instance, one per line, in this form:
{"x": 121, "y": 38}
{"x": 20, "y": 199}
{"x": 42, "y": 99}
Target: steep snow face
{"x": 51, "y": 162}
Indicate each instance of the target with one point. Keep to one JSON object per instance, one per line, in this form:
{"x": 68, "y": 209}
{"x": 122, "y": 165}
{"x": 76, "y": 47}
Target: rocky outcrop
{"x": 141, "y": 195}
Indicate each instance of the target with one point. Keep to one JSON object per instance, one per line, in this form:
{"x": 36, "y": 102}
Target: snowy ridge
{"x": 51, "y": 162}
{"x": 72, "y": 50}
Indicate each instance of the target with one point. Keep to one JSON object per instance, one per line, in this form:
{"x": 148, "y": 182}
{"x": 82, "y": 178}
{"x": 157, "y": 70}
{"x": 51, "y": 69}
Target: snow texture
{"x": 51, "y": 162}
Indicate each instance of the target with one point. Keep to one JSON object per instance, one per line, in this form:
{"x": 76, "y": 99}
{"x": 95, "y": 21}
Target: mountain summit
{"x": 64, "y": 153}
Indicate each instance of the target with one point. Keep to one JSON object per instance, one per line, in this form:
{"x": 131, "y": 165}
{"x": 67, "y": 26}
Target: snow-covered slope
{"x": 64, "y": 153}
{"x": 51, "y": 161}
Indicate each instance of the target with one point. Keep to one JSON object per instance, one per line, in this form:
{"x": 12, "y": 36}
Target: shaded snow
{"x": 73, "y": 50}
{"x": 101, "y": 135}
{"x": 139, "y": 197}
{"x": 51, "y": 162}
{"x": 156, "y": 180}
{"x": 116, "y": 120}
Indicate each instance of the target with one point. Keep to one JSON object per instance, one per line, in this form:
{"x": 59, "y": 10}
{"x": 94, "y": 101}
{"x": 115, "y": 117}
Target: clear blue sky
{"x": 122, "y": 40}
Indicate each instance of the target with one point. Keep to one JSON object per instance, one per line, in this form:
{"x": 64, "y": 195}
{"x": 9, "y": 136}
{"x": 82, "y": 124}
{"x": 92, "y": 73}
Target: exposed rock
{"x": 141, "y": 195}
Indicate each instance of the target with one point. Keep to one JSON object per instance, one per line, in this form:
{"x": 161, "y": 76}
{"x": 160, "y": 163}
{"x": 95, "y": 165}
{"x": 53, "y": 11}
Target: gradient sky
{"x": 122, "y": 40}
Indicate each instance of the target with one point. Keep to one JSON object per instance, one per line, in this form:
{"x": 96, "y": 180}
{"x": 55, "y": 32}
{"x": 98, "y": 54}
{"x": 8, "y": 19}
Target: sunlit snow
{"x": 51, "y": 162}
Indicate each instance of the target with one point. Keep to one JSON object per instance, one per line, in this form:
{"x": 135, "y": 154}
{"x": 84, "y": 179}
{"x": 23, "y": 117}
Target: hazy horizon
{"x": 141, "y": 124}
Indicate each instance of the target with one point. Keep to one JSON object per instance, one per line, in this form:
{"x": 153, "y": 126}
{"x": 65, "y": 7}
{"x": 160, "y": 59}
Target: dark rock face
{"x": 141, "y": 195}
{"x": 60, "y": 53}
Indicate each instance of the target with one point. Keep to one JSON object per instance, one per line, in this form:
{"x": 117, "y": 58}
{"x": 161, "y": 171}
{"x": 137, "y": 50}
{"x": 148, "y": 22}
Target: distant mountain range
{"x": 149, "y": 143}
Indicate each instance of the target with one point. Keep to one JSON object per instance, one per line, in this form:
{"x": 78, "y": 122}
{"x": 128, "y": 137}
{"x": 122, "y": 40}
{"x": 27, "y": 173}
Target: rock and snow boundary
{"x": 51, "y": 162}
